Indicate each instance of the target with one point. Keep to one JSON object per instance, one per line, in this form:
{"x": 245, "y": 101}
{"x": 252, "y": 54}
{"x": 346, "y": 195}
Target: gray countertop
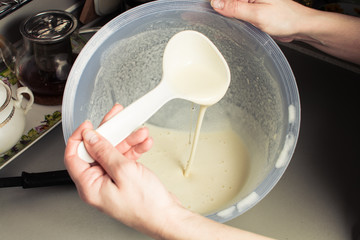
{"x": 317, "y": 197}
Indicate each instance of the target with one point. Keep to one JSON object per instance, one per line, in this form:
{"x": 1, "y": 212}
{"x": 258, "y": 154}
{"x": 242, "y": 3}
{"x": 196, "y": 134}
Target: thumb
{"x": 240, "y": 9}
{"x": 103, "y": 152}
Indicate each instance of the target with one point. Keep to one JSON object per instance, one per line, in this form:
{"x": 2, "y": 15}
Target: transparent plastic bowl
{"x": 123, "y": 61}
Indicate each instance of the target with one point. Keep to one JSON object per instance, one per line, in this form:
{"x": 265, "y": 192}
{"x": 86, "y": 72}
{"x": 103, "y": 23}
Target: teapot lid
{"x": 5, "y": 96}
{"x": 49, "y": 26}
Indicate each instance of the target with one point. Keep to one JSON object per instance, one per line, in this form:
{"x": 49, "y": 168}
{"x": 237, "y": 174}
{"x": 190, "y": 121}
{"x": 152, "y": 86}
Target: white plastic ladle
{"x": 193, "y": 69}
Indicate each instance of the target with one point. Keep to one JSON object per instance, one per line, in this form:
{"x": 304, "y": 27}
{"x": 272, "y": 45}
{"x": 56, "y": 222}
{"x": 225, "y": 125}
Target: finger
{"x": 135, "y": 152}
{"x": 133, "y": 139}
{"x": 144, "y": 146}
{"x": 103, "y": 152}
{"x": 240, "y": 9}
{"x": 73, "y": 163}
{"x": 114, "y": 110}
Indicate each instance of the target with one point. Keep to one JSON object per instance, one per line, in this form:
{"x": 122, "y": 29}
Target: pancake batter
{"x": 217, "y": 174}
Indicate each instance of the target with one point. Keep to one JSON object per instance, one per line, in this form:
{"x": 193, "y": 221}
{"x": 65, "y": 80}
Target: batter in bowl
{"x": 217, "y": 174}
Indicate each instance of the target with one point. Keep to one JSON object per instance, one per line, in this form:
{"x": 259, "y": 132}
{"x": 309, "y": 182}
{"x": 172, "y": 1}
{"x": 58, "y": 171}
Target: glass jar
{"x": 45, "y": 61}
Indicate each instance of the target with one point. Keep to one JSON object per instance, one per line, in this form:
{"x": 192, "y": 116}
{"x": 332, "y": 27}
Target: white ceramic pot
{"x": 12, "y": 115}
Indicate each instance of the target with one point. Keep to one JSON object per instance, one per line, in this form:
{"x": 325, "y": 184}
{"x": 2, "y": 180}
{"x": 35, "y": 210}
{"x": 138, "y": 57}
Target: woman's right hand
{"x": 116, "y": 183}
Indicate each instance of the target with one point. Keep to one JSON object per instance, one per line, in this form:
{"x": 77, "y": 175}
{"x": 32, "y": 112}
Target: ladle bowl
{"x": 193, "y": 69}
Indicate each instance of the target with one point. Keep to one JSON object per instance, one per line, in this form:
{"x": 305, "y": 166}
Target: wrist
{"x": 177, "y": 224}
{"x": 317, "y": 27}
{"x": 305, "y": 24}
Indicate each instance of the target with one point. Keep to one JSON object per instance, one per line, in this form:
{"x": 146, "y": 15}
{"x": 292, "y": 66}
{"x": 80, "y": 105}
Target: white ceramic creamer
{"x": 12, "y": 115}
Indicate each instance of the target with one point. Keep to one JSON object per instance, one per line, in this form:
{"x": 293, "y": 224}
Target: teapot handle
{"x": 19, "y": 98}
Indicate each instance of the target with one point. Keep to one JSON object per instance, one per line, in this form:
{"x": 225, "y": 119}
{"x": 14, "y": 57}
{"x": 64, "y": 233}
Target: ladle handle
{"x": 125, "y": 122}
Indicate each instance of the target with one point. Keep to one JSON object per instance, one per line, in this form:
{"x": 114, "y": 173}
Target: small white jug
{"x": 12, "y": 115}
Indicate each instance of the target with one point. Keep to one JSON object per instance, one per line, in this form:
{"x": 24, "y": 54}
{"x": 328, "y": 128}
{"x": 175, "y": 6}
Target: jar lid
{"x": 48, "y": 26}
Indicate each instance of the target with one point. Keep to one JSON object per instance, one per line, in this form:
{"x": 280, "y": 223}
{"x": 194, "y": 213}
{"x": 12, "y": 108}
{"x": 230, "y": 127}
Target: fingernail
{"x": 218, "y": 4}
{"x": 91, "y": 137}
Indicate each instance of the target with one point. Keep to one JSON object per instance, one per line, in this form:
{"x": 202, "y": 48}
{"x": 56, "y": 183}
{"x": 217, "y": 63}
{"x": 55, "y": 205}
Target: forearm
{"x": 186, "y": 225}
{"x": 333, "y": 33}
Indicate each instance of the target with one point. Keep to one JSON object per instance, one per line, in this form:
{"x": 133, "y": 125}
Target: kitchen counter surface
{"x": 317, "y": 198}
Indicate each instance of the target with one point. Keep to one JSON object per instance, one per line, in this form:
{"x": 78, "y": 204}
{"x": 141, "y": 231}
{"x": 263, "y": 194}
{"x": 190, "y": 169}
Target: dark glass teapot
{"x": 45, "y": 61}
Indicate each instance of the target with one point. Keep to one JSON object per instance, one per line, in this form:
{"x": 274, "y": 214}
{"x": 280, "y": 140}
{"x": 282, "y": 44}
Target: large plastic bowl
{"x": 123, "y": 61}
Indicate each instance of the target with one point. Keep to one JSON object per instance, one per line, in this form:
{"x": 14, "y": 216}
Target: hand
{"x": 278, "y": 18}
{"x": 117, "y": 184}
{"x": 124, "y": 189}
{"x": 286, "y": 20}
{"x": 133, "y": 146}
